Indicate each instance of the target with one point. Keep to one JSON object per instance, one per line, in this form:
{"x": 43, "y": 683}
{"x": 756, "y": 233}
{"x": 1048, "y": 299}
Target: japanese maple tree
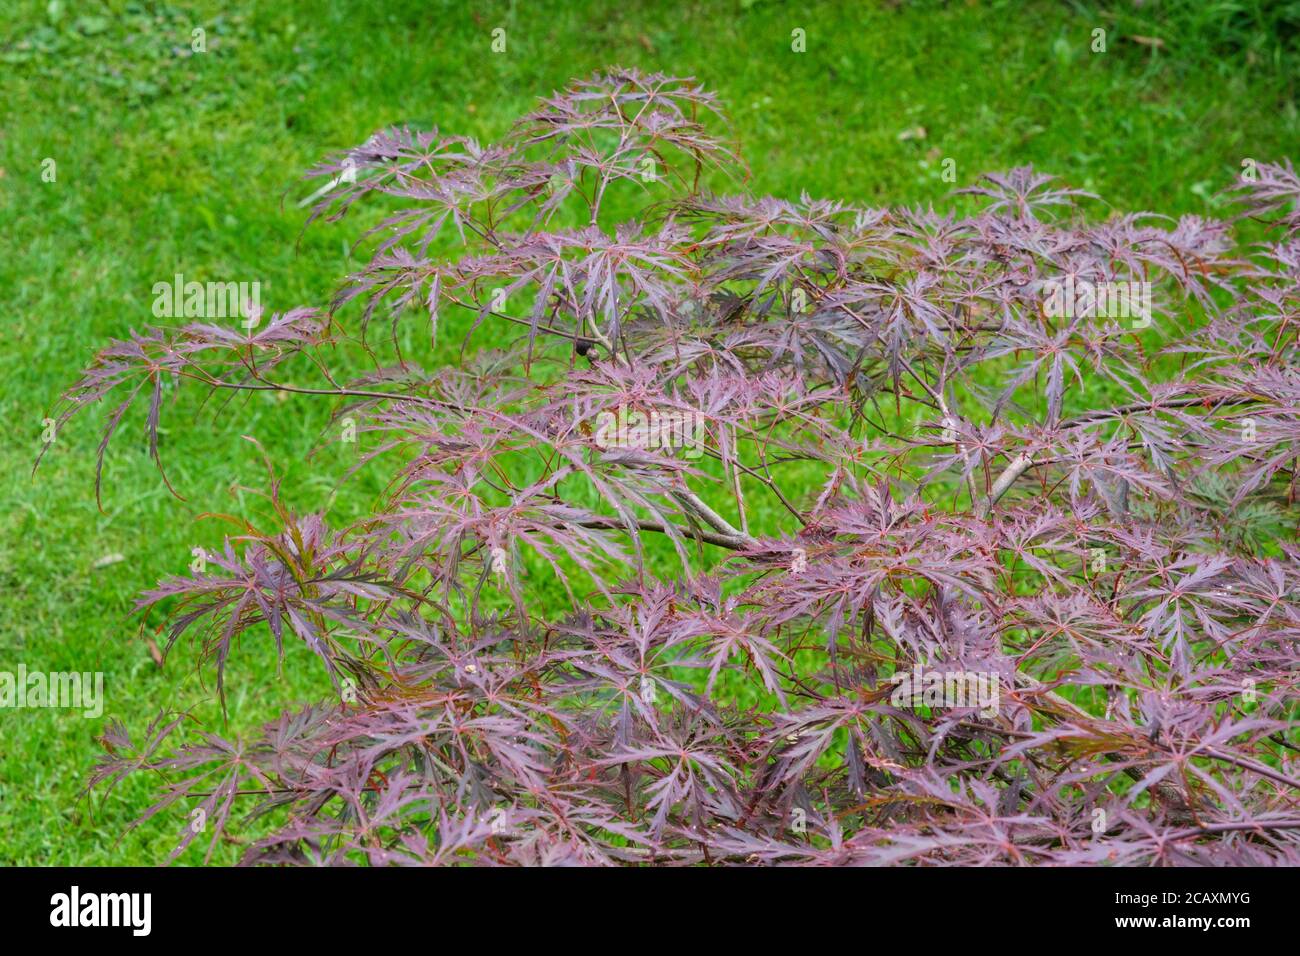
{"x": 553, "y": 649}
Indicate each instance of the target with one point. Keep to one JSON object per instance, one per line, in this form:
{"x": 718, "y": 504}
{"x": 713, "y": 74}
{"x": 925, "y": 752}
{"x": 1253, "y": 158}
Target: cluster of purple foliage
{"x": 908, "y": 463}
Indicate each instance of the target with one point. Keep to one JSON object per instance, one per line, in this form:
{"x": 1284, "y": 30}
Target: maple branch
{"x": 1018, "y": 467}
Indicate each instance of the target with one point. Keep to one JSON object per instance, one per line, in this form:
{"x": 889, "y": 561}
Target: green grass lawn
{"x": 169, "y": 161}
